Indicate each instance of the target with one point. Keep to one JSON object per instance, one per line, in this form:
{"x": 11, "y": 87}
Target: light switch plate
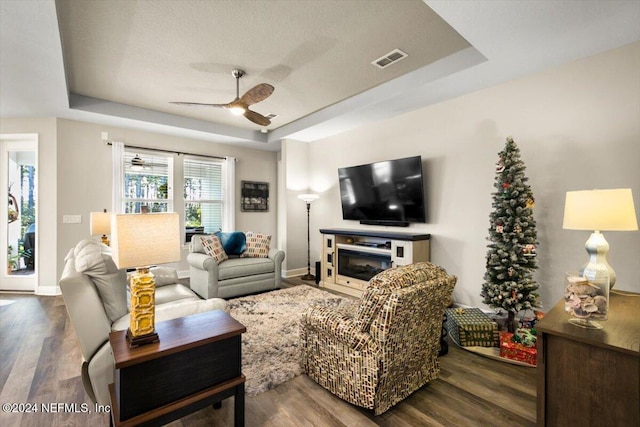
{"x": 72, "y": 219}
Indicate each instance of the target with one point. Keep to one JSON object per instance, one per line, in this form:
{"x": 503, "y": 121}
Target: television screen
{"x": 389, "y": 191}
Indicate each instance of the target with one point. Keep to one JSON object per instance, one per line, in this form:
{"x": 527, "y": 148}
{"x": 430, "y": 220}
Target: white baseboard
{"x": 295, "y": 272}
{"x": 48, "y": 290}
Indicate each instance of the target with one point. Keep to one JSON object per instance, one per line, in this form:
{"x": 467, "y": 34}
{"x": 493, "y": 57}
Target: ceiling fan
{"x": 137, "y": 164}
{"x": 240, "y": 105}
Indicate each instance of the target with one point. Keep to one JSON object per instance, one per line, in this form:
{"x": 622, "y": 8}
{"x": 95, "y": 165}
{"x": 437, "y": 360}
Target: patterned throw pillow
{"x": 213, "y": 247}
{"x": 257, "y": 245}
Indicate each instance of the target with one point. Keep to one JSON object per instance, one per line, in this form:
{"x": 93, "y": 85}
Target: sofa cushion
{"x": 169, "y": 293}
{"x": 176, "y": 309}
{"x": 234, "y": 243}
{"x": 213, "y": 247}
{"x": 257, "y": 245}
{"x": 94, "y": 259}
{"x": 164, "y": 276}
{"x": 241, "y": 267}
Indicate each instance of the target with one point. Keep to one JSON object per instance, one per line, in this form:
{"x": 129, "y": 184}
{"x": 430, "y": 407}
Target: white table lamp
{"x": 100, "y": 224}
{"x": 599, "y": 210}
{"x": 142, "y": 240}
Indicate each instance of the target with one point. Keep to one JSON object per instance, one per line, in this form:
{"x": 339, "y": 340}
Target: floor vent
{"x": 390, "y": 58}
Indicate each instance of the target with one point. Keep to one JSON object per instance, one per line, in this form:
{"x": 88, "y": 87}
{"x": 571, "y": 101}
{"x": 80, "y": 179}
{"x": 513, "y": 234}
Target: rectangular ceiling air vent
{"x": 390, "y": 58}
{"x": 271, "y": 116}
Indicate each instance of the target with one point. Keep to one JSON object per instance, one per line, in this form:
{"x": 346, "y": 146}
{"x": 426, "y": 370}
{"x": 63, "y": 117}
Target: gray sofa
{"x": 95, "y": 294}
{"x": 235, "y": 276}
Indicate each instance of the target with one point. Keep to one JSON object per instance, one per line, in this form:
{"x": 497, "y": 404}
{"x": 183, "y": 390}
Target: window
{"x": 145, "y": 177}
{"x": 148, "y": 183}
{"x": 203, "y": 196}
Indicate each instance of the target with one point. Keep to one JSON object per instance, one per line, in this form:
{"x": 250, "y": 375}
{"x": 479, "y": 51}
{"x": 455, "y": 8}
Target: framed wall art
{"x": 254, "y": 196}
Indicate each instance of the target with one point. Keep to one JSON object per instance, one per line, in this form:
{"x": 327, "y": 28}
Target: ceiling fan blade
{"x": 198, "y": 104}
{"x": 257, "y": 118}
{"x": 257, "y": 93}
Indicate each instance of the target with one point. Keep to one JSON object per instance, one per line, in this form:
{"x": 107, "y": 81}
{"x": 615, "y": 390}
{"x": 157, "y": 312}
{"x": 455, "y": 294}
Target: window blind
{"x": 203, "y": 194}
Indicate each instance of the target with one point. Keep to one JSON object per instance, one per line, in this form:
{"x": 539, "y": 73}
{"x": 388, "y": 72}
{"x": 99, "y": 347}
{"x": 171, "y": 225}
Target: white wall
{"x": 577, "y": 127}
{"x": 295, "y": 158}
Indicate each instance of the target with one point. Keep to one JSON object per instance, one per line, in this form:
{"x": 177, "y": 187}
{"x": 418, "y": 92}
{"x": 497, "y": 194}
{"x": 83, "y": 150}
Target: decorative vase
{"x": 586, "y": 299}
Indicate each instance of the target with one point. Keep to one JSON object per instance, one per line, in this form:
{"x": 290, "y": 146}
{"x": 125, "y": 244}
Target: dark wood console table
{"x": 586, "y": 376}
{"x": 197, "y": 363}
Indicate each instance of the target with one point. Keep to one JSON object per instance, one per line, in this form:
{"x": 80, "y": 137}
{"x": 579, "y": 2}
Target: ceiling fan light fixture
{"x": 237, "y": 110}
{"x": 137, "y": 164}
{"x": 240, "y": 105}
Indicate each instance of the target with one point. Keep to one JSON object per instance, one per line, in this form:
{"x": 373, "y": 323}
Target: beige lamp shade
{"x": 100, "y": 223}
{"x": 601, "y": 210}
{"x": 139, "y": 240}
{"x": 308, "y": 198}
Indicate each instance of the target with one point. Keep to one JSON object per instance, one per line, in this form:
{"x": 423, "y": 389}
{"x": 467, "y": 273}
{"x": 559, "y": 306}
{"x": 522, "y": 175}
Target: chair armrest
{"x": 85, "y": 309}
{"x": 202, "y": 262}
{"x": 336, "y": 325}
{"x": 98, "y": 373}
{"x": 276, "y": 255}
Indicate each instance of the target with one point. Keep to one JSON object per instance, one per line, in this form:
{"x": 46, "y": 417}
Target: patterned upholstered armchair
{"x": 378, "y": 351}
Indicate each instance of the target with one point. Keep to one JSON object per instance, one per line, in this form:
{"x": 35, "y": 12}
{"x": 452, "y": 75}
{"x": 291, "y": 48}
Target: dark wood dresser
{"x": 590, "y": 377}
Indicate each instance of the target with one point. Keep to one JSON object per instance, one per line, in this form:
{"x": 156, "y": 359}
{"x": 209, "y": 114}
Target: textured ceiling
{"x": 126, "y": 48}
{"x": 316, "y": 53}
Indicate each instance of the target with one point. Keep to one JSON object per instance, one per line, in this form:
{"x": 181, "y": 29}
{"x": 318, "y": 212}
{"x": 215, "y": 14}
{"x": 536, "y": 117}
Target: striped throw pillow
{"x": 257, "y": 245}
{"x": 213, "y": 247}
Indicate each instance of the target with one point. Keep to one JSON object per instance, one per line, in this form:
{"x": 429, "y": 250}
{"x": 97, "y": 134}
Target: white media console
{"x": 351, "y": 257}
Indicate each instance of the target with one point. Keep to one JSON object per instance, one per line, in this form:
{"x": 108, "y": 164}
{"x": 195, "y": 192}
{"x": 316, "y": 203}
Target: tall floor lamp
{"x": 308, "y": 198}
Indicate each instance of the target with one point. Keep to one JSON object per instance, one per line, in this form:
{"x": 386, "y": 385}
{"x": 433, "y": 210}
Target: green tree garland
{"x": 511, "y": 257}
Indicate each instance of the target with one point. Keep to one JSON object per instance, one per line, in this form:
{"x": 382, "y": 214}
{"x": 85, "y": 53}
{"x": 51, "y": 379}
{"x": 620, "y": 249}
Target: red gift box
{"x": 516, "y": 351}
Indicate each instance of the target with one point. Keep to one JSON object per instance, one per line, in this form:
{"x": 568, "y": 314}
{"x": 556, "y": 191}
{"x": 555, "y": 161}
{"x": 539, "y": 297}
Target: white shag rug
{"x": 270, "y": 347}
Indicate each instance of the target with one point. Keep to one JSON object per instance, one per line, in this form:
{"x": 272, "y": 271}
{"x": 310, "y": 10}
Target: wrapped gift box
{"x": 516, "y": 351}
{"x": 471, "y": 327}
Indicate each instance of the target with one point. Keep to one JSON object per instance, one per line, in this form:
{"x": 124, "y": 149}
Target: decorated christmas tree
{"x": 511, "y": 257}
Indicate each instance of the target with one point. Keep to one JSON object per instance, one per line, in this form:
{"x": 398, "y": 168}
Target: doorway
{"x": 19, "y": 187}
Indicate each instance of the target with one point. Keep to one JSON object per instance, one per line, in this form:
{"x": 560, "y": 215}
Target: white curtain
{"x": 229, "y": 217}
{"x": 117, "y": 154}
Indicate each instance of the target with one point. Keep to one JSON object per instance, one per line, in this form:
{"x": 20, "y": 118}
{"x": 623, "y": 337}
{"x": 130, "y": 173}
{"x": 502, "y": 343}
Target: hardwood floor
{"x": 40, "y": 363}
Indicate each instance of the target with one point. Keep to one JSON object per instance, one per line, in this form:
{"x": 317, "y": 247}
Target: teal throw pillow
{"x": 233, "y": 243}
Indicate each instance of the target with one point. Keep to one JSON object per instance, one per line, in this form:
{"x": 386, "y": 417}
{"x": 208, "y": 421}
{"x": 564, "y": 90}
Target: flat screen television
{"x": 383, "y": 193}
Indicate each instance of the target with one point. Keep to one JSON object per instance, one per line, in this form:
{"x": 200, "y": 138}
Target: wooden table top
{"x": 620, "y": 332}
{"x": 176, "y": 335}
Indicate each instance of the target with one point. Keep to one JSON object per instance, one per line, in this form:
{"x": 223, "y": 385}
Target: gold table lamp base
{"x": 142, "y": 309}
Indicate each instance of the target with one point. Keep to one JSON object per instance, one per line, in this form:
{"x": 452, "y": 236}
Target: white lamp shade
{"x": 140, "y": 240}
{"x": 100, "y": 223}
{"x": 308, "y": 198}
{"x": 600, "y": 210}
